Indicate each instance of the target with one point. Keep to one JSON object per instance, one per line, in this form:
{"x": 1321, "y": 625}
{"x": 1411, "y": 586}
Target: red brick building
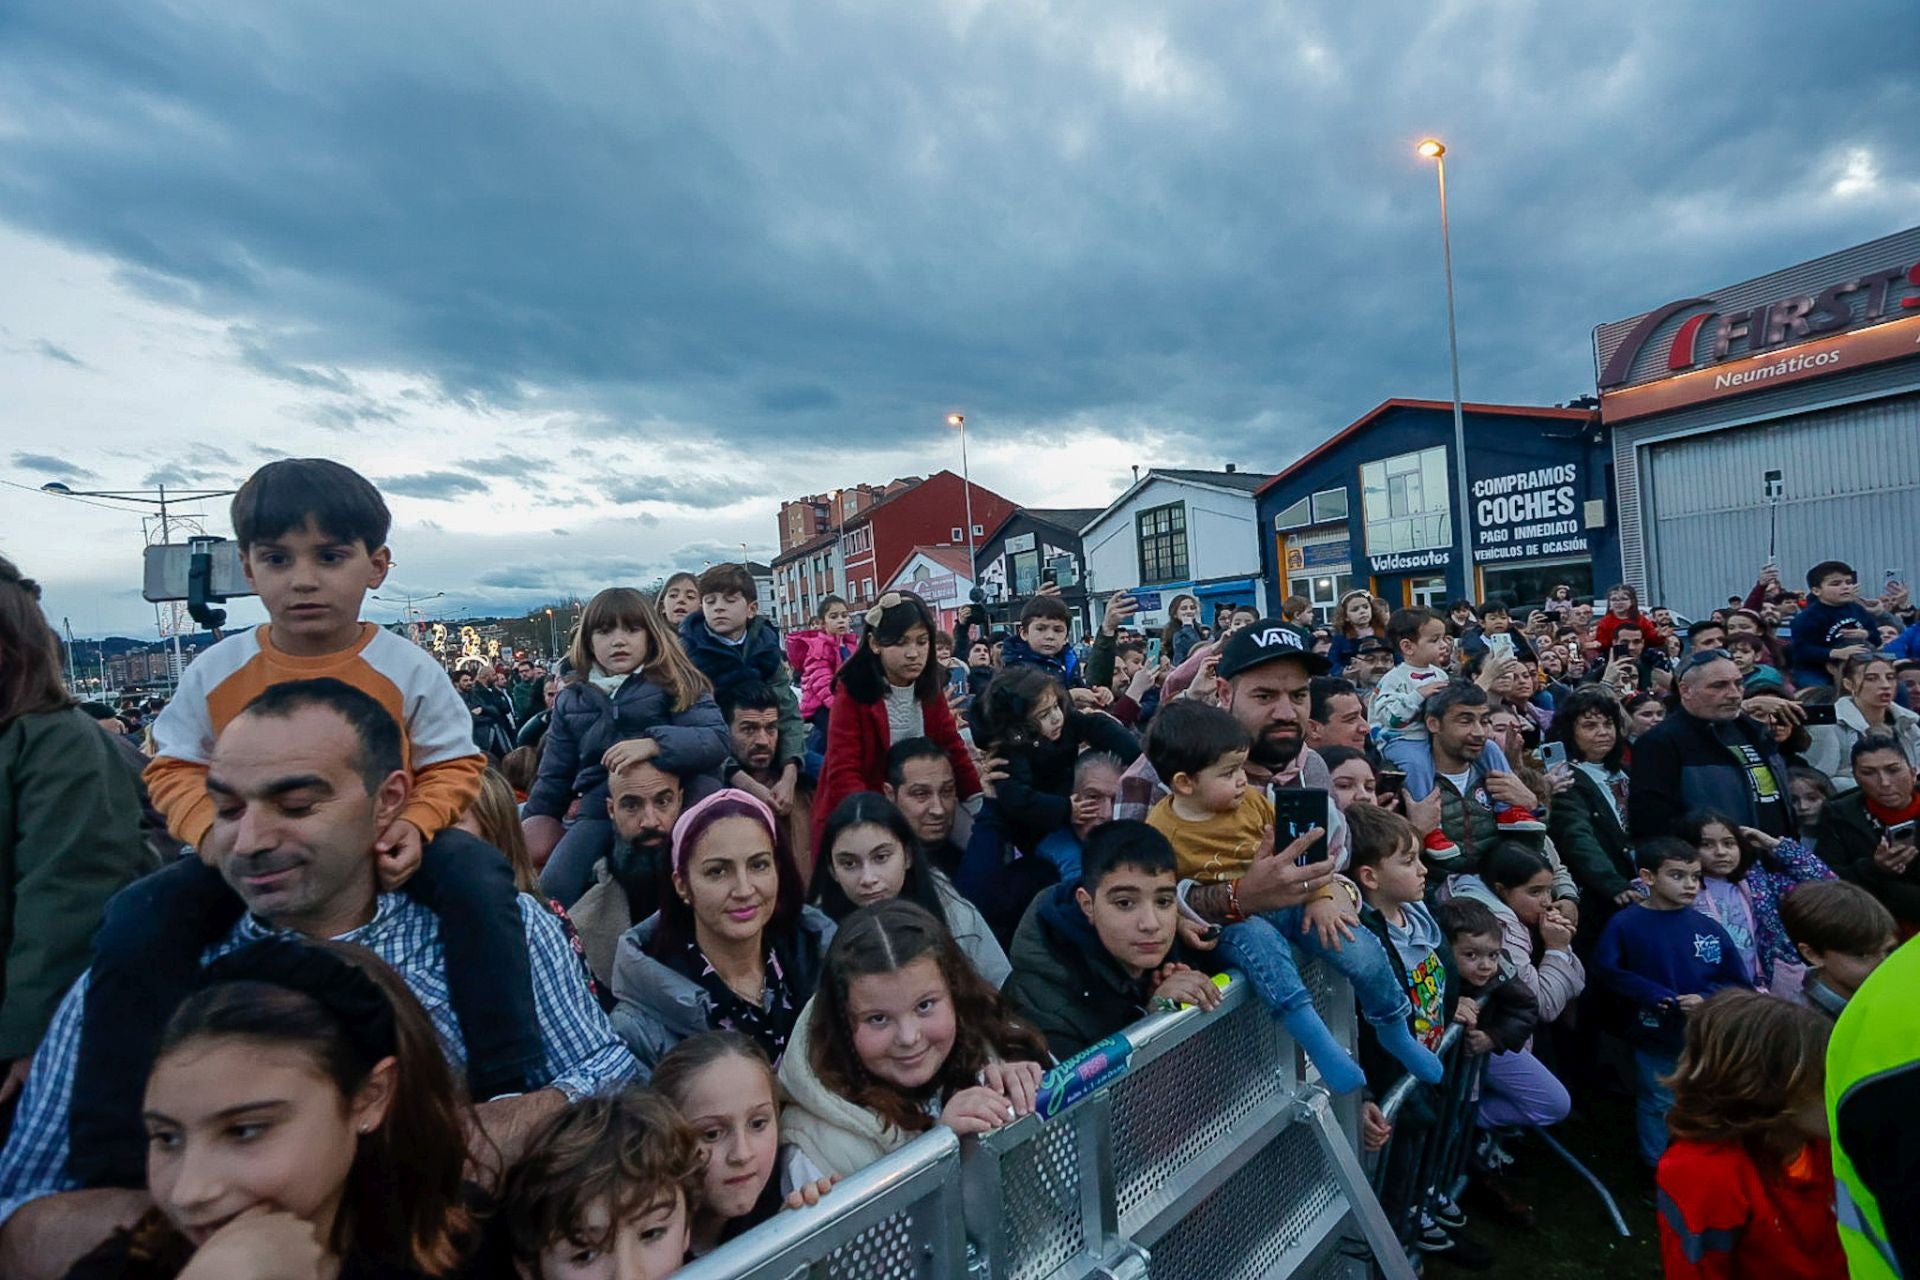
{"x": 877, "y": 541}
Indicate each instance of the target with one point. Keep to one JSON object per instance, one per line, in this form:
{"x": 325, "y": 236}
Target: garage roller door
{"x": 1852, "y": 492}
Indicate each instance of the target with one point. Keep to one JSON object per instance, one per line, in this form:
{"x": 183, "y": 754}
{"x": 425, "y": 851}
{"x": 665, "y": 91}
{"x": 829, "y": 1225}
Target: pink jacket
{"x": 815, "y": 658}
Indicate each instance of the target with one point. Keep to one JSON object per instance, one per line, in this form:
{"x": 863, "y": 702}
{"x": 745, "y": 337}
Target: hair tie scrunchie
{"x": 342, "y": 989}
{"x": 891, "y": 600}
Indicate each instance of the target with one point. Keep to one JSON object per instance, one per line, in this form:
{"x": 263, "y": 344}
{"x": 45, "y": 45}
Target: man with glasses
{"x": 1708, "y": 754}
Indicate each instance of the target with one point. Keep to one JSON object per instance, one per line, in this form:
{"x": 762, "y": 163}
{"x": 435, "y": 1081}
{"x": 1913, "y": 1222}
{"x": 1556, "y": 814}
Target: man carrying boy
{"x": 1092, "y": 956}
{"x": 1401, "y": 708}
{"x": 1833, "y": 627}
{"x": 732, "y": 645}
{"x": 1663, "y": 958}
{"x": 1219, "y": 827}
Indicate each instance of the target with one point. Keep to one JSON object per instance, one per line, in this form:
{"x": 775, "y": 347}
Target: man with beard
{"x": 644, "y": 802}
{"x": 752, "y": 712}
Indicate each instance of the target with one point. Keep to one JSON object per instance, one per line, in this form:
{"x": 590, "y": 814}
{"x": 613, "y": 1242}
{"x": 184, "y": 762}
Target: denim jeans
{"x": 1262, "y": 948}
{"x": 570, "y": 869}
{"x": 1652, "y": 1100}
{"x": 1414, "y": 757}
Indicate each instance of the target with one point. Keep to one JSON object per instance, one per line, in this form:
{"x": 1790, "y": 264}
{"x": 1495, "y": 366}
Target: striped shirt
{"x": 583, "y": 1055}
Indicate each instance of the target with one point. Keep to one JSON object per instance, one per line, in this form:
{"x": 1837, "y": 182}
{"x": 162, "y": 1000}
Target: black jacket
{"x": 1065, "y": 982}
{"x": 1591, "y": 840}
{"x": 1511, "y": 1013}
{"x": 1848, "y": 837}
{"x": 1034, "y": 800}
{"x": 585, "y": 722}
{"x": 1681, "y": 764}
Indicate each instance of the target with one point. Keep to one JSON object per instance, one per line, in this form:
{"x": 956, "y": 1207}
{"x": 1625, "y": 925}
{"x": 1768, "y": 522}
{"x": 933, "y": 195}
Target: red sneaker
{"x": 1439, "y": 848}
{"x": 1514, "y": 818}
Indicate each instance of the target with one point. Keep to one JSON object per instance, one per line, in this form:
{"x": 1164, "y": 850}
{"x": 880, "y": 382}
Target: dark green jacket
{"x": 69, "y": 840}
{"x": 1848, "y": 837}
{"x": 1591, "y": 840}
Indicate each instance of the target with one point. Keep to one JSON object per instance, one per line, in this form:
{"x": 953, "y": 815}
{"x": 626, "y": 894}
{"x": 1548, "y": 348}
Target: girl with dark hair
{"x": 732, "y": 948}
{"x": 72, "y": 835}
{"x": 1747, "y": 1186}
{"x": 871, "y": 855}
{"x": 639, "y": 698}
{"x": 1026, "y": 719}
{"x": 300, "y": 1113}
{"x": 902, "y": 1035}
{"x": 1744, "y": 874}
{"x": 725, "y": 1088}
{"x": 1588, "y": 821}
{"x": 1354, "y": 619}
{"x": 1623, "y": 610}
{"x": 1183, "y": 632}
{"x": 679, "y": 598}
{"x": 1516, "y": 884}
{"x": 890, "y": 690}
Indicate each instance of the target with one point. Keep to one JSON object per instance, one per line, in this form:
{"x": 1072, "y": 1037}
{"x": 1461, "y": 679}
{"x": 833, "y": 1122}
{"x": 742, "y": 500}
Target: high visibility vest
{"x": 1876, "y": 1040}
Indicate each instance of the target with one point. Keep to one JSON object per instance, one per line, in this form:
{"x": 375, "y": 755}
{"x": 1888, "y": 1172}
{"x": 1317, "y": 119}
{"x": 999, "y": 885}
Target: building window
{"x": 979, "y": 532}
{"x": 954, "y": 534}
{"x": 1163, "y": 543}
{"x": 1406, "y": 502}
{"x": 1327, "y": 506}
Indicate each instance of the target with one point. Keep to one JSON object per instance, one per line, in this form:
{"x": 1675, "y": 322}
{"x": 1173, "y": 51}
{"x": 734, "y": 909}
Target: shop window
{"x": 1526, "y": 586}
{"x": 1406, "y": 502}
{"x": 1427, "y": 593}
{"x": 1330, "y": 505}
{"x": 1162, "y": 533}
{"x": 1322, "y": 589}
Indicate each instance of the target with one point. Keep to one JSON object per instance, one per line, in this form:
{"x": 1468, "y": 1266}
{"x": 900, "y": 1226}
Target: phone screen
{"x": 1296, "y": 811}
{"x": 1828, "y": 714}
{"x": 1391, "y": 782}
{"x": 1553, "y": 754}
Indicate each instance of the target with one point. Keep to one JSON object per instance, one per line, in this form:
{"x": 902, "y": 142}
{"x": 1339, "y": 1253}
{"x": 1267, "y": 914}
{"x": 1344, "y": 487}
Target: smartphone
{"x": 1296, "y": 811}
{"x": 1149, "y": 601}
{"x": 1828, "y": 714}
{"x": 1049, "y": 578}
{"x": 957, "y": 681}
{"x": 1392, "y": 782}
{"x": 1901, "y": 832}
{"x": 1501, "y": 644}
{"x": 1553, "y": 754}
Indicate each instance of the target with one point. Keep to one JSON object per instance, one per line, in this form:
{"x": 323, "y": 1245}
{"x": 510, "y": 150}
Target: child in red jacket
{"x": 1746, "y": 1184}
{"x": 890, "y": 690}
{"x": 1623, "y": 610}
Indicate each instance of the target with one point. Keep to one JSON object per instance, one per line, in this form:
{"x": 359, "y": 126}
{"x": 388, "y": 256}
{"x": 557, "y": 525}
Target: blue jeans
{"x": 570, "y": 869}
{"x": 1414, "y": 757}
{"x": 1652, "y": 1101}
{"x": 1262, "y": 948}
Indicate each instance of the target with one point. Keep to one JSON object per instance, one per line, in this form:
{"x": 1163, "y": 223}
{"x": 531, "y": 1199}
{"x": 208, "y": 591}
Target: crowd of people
{"x": 342, "y": 963}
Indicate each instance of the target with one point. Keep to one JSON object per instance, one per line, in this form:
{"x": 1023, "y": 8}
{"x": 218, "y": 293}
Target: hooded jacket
{"x": 1063, "y": 666}
{"x": 838, "y": 1136}
{"x": 1034, "y": 798}
{"x": 657, "y": 1006}
{"x": 815, "y": 658}
{"x": 585, "y": 722}
{"x": 1556, "y": 980}
{"x": 757, "y": 659}
{"x": 1832, "y": 749}
{"x": 1064, "y": 980}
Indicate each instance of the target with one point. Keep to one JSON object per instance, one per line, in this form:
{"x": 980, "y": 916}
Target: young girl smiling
{"x": 638, "y": 698}
{"x": 902, "y": 1035}
{"x": 1743, "y": 875}
{"x": 301, "y": 1120}
{"x": 1183, "y": 630}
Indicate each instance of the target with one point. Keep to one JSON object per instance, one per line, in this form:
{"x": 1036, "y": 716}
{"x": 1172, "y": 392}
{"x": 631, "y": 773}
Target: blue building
{"x": 1374, "y": 508}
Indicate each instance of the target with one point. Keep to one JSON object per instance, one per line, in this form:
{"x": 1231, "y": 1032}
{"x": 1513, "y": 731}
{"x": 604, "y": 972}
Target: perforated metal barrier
{"x": 1215, "y": 1155}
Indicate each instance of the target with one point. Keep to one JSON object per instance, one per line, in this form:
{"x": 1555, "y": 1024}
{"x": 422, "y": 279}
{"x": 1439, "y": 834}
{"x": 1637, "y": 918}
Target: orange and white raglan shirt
{"x": 436, "y": 726}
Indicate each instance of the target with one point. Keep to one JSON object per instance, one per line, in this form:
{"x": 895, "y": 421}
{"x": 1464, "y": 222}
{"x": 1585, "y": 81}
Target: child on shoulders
{"x": 1043, "y": 638}
{"x": 1028, "y": 720}
{"x": 1218, "y": 826}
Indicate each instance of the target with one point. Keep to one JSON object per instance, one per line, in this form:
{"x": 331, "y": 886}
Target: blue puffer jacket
{"x": 585, "y": 722}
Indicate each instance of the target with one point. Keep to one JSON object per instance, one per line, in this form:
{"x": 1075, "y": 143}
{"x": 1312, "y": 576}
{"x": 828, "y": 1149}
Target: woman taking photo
{"x": 1588, "y": 821}
{"x": 732, "y": 948}
{"x": 1866, "y": 707}
{"x": 71, "y": 838}
{"x": 871, "y": 856}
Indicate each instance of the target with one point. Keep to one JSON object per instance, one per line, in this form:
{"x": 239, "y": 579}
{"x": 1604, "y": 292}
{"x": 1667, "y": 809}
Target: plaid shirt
{"x": 583, "y": 1055}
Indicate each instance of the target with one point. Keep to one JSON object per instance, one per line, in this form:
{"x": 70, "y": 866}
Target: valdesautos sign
{"x": 1806, "y": 321}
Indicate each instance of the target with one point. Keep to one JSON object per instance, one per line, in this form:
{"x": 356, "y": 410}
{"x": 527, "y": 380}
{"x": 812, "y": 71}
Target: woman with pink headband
{"x": 732, "y": 948}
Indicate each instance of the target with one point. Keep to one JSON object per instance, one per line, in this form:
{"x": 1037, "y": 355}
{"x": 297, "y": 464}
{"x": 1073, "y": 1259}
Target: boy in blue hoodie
{"x": 734, "y": 647}
{"x": 1833, "y": 627}
{"x": 1043, "y": 638}
{"x": 1663, "y": 958}
{"x": 1093, "y": 957}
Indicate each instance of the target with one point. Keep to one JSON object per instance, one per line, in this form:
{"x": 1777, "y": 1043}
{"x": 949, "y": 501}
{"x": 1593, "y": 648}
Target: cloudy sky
{"x": 588, "y": 287}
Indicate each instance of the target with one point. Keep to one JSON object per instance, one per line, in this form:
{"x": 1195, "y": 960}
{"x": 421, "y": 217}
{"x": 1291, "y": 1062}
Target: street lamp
{"x": 407, "y": 600}
{"x": 155, "y": 497}
{"x": 959, "y": 421}
{"x": 553, "y": 635}
{"x": 1435, "y": 150}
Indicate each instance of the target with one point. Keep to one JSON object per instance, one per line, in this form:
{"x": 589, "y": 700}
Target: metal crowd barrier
{"x": 1203, "y": 1149}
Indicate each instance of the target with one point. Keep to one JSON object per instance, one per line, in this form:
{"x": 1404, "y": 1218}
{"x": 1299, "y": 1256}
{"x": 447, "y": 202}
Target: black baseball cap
{"x": 1372, "y": 644}
{"x": 1269, "y": 640}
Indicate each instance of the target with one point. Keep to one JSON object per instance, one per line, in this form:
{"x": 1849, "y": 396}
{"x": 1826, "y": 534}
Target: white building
{"x": 1175, "y": 532}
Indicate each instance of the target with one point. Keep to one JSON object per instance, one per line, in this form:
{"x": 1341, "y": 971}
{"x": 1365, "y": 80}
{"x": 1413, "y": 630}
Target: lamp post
{"x": 155, "y": 497}
{"x": 1435, "y": 150}
{"x": 553, "y": 636}
{"x": 959, "y": 421}
{"x": 407, "y": 600}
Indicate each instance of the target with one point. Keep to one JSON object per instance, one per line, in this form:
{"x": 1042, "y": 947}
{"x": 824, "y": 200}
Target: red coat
{"x": 1723, "y": 1217}
{"x": 1609, "y": 626}
{"x": 857, "y": 744}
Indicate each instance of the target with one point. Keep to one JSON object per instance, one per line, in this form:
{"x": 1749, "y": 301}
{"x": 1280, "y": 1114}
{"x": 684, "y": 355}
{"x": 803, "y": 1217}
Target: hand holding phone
{"x": 1298, "y": 810}
{"x": 1553, "y": 754}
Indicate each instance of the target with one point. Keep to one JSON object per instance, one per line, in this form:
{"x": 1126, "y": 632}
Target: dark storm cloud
{"x": 825, "y": 221}
{"x": 58, "y": 468}
{"x": 438, "y": 485}
{"x": 704, "y": 492}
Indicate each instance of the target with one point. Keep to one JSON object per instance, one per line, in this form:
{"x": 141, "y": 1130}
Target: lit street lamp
{"x": 1435, "y": 150}
{"x": 959, "y": 421}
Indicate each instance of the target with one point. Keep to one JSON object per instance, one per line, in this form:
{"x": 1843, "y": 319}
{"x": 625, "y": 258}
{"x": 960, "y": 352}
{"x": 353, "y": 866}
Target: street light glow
{"x": 1431, "y": 148}
{"x": 956, "y": 419}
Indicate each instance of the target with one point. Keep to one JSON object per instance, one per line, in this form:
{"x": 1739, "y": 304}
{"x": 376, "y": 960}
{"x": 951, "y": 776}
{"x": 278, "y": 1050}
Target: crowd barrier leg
{"x": 1313, "y": 1107}
{"x": 1591, "y": 1179}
